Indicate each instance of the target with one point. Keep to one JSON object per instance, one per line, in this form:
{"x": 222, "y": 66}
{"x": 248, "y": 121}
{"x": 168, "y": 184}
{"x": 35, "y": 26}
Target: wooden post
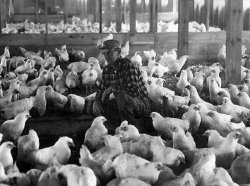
{"x": 100, "y": 16}
{"x": 141, "y": 7}
{"x": 124, "y": 11}
{"x": 246, "y": 20}
{"x": 36, "y": 11}
{"x": 202, "y": 15}
{"x": 234, "y": 41}
{"x": 207, "y": 13}
{"x": 211, "y": 19}
{"x": 132, "y": 16}
{"x": 80, "y": 7}
{"x": 3, "y": 14}
{"x": 65, "y": 4}
{"x": 95, "y": 9}
{"x": 85, "y": 7}
{"x": 108, "y": 13}
{"x": 183, "y": 27}
{"x": 118, "y": 15}
{"x": 156, "y": 15}
{"x": 226, "y": 12}
{"x": 216, "y": 17}
{"x": 53, "y": 7}
{"x": 197, "y": 13}
{"x": 89, "y": 7}
{"x": 46, "y": 16}
{"x": 191, "y": 11}
{"x": 153, "y": 16}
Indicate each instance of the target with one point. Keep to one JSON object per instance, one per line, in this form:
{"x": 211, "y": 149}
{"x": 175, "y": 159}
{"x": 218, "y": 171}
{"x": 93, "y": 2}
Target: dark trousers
{"x": 126, "y": 107}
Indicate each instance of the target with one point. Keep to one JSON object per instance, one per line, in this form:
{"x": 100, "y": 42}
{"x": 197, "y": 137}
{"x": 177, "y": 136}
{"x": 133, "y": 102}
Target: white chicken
{"x": 79, "y": 66}
{"x": 62, "y": 54}
{"x": 72, "y": 80}
{"x": 89, "y": 78}
{"x": 125, "y": 50}
{"x": 105, "y": 38}
{"x": 168, "y": 57}
{"x": 136, "y": 59}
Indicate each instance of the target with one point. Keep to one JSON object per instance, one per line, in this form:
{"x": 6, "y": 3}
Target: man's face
{"x": 111, "y": 55}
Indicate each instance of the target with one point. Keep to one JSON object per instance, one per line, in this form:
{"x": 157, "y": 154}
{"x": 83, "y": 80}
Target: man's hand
{"x": 97, "y": 108}
{"x": 106, "y": 93}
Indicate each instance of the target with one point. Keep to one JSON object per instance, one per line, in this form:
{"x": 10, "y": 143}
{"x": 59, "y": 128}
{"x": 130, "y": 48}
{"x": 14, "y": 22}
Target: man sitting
{"x": 122, "y": 79}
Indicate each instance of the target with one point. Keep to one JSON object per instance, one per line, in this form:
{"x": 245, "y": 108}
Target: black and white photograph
{"x": 124, "y": 92}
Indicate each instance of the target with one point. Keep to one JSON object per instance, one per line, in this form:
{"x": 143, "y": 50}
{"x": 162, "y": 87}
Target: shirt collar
{"x": 116, "y": 64}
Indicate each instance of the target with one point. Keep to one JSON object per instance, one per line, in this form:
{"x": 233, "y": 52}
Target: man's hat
{"x": 109, "y": 45}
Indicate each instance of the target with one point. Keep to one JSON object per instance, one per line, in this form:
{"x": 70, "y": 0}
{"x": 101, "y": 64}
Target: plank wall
{"x": 203, "y": 47}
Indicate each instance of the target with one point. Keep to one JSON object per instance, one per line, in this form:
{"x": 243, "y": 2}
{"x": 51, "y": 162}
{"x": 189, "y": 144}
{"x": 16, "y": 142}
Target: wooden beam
{"x": 85, "y": 6}
{"x": 183, "y": 7}
{"x": 191, "y": 11}
{"x": 46, "y": 15}
{"x": 226, "y": 10}
{"x": 65, "y": 4}
{"x": 132, "y": 17}
{"x": 125, "y": 11}
{"x": 108, "y": 13}
{"x": 141, "y": 7}
{"x": 3, "y": 14}
{"x": 211, "y": 21}
{"x": 234, "y": 41}
{"x": 95, "y": 10}
{"x": 118, "y": 15}
{"x": 153, "y": 16}
{"x": 100, "y": 16}
{"x": 197, "y": 13}
{"x": 202, "y": 15}
{"x": 207, "y": 13}
{"x": 53, "y": 7}
{"x": 36, "y": 11}
{"x": 216, "y": 17}
{"x": 89, "y": 7}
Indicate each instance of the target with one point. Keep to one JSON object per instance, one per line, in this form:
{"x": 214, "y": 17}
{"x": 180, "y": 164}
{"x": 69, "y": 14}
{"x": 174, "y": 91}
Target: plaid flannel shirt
{"x": 126, "y": 77}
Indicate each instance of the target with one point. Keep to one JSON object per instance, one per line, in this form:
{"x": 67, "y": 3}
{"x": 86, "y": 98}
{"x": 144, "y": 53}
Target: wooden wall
{"x": 203, "y": 47}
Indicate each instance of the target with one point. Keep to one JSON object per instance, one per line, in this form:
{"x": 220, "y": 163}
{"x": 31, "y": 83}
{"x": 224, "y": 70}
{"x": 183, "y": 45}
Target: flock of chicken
{"x": 84, "y": 26}
{"x": 127, "y": 157}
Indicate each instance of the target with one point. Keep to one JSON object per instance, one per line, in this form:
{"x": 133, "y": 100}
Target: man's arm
{"x": 133, "y": 78}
